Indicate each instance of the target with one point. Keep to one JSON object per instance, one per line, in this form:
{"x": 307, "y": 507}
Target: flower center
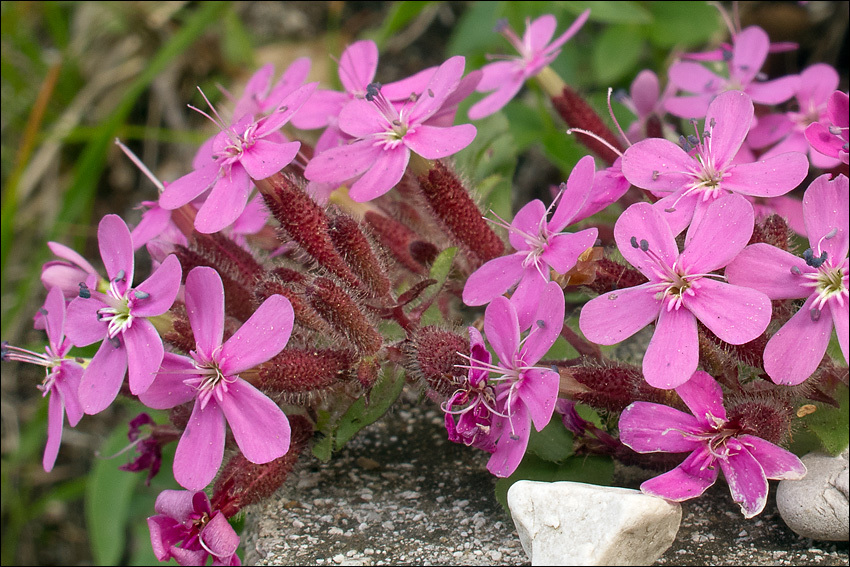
{"x": 208, "y": 379}
{"x": 396, "y": 126}
{"x": 119, "y": 311}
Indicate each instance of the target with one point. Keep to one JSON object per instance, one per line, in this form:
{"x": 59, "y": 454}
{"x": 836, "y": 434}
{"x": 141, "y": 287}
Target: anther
{"x": 834, "y": 130}
{"x": 810, "y": 259}
{"x": 815, "y": 313}
{"x": 634, "y": 242}
{"x": 541, "y": 323}
{"x": 141, "y": 294}
{"x": 832, "y": 233}
{"x": 119, "y": 276}
{"x": 644, "y": 245}
{"x": 115, "y": 341}
{"x": 85, "y": 292}
{"x": 372, "y": 90}
{"x": 796, "y": 271}
{"x": 43, "y": 311}
{"x": 655, "y": 174}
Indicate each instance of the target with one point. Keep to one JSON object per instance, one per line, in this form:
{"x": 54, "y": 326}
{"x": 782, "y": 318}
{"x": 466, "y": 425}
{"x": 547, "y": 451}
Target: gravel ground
{"x": 401, "y": 494}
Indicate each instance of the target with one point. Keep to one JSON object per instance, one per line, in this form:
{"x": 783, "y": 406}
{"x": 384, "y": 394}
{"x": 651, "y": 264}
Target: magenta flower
{"x": 747, "y": 461}
{"x": 540, "y": 246}
{"x": 385, "y": 136}
{"x": 240, "y": 152}
{"x": 187, "y": 529}
{"x": 693, "y": 179}
{"x": 211, "y": 378}
{"x": 63, "y": 374}
{"x": 524, "y": 393}
{"x": 749, "y": 53}
{"x": 119, "y": 316}
{"x": 68, "y": 272}
{"x": 785, "y": 131}
{"x": 831, "y": 136}
{"x": 681, "y": 289}
{"x": 505, "y": 78}
{"x": 820, "y": 276}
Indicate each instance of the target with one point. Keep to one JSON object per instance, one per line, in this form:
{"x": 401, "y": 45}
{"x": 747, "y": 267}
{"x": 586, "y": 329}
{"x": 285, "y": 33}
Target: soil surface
{"x": 401, "y": 494}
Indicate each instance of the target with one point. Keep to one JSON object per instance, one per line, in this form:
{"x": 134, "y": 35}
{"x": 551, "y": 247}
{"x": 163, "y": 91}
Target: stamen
{"x": 597, "y": 138}
{"x": 85, "y": 292}
{"x": 815, "y": 314}
{"x": 141, "y": 294}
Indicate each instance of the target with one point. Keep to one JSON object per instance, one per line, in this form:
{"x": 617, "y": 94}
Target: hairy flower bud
{"x": 306, "y": 371}
{"x": 611, "y": 386}
{"x": 355, "y": 248}
{"x": 397, "y": 239}
{"x": 611, "y": 275}
{"x": 451, "y": 203}
{"x": 774, "y": 231}
{"x": 342, "y": 313}
{"x": 577, "y": 113}
{"x": 434, "y": 355}
{"x": 763, "y": 415}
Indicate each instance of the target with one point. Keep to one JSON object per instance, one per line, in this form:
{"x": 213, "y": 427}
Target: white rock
{"x": 818, "y": 506}
{"x": 572, "y": 523}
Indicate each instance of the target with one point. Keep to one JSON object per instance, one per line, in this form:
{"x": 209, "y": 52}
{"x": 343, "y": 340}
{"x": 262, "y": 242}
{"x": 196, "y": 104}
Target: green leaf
{"x": 107, "y": 503}
{"x": 554, "y": 443}
{"x": 473, "y": 34}
{"x": 616, "y": 52}
{"x": 829, "y": 426}
{"x": 360, "y": 414}
{"x": 323, "y": 448}
{"x": 401, "y": 13}
{"x": 613, "y": 12}
{"x": 442, "y": 266}
{"x": 682, "y": 24}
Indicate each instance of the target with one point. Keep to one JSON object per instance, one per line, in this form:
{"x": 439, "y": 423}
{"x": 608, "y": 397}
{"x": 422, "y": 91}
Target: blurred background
{"x": 78, "y": 75}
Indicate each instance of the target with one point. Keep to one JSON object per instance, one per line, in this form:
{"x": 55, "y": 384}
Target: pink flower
{"x": 505, "y": 78}
{"x": 749, "y": 53}
{"x": 239, "y": 153}
{"x": 211, "y": 378}
{"x": 260, "y": 97}
{"x": 785, "y": 132}
{"x": 693, "y": 179}
{"x": 646, "y": 102}
{"x": 186, "y": 529}
{"x": 681, "y": 289}
{"x": 747, "y": 461}
{"x": 820, "y": 276}
{"x": 69, "y": 272}
{"x": 62, "y": 378}
{"x": 385, "y": 136}
{"x": 831, "y": 138}
{"x": 524, "y": 393}
{"x": 119, "y": 316}
{"x": 540, "y": 246}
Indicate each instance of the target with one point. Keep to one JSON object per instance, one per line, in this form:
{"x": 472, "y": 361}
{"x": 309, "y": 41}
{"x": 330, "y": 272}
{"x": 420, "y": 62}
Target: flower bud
{"x": 577, "y": 113}
{"x": 306, "y": 371}
{"x": 432, "y": 354}
{"x": 358, "y": 253}
{"x": 342, "y": 313}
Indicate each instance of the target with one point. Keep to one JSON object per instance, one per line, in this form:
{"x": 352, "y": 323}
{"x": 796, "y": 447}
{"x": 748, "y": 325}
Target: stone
{"x": 572, "y": 523}
{"x": 818, "y": 506}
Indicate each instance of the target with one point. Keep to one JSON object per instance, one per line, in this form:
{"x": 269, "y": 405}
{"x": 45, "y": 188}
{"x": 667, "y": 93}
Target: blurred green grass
{"x": 76, "y": 75}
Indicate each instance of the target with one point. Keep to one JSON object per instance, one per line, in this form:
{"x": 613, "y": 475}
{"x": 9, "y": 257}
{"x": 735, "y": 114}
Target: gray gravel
{"x": 401, "y": 494}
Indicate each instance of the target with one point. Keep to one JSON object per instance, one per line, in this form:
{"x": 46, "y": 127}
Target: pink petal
{"x": 749, "y": 53}
{"x": 266, "y": 158}
{"x": 361, "y": 118}
{"x": 732, "y": 115}
{"x": 154, "y": 222}
{"x": 817, "y": 83}
{"x": 570, "y": 32}
{"x": 735, "y": 314}
{"x": 205, "y": 308}
{"x": 260, "y": 338}
{"x": 103, "y": 378}
{"x": 841, "y": 320}
{"x": 69, "y": 386}
{"x": 72, "y": 256}
{"x": 678, "y": 210}
{"x": 55, "y": 422}
{"x": 777, "y": 463}
{"x": 768, "y": 178}
{"x": 564, "y": 249}
{"x": 226, "y": 201}
{"x": 643, "y": 222}
{"x": 654, "y": 428}
{"x": 527, "y": 223}
{"x": 526, "y": 297}
{"x": 745, "y": 478}
{"x": 144, "y": 354}
{"x": 704, "y": 397}
{"x": 576, "y": 192}
{"x": 547, "y": 324}
{"x": 338, "y": 164}
{"x": 688, "y": 106}
{"x": 822, "y": 140}
{"x": 539, "y": 32}
{"x": 689, "y": 480}
{"x": 493, "y": 279}
{"x": 321, "y": 106}
{"x": 116, "y": 249}
{"x": 162, "y": 287}
{"x": 54, "y": 319}
{"x": 357, "y": 65}
{"x": 729, "y": 220}
{"x": 82, "y": 326}
{"x": 256, "y": 89}
{"x": 776, "y": 91}
{"x": 501, "y": 327}
{"x": 794, "y": 352}
{"x": 673, "y": 352}
{"x": 658, "y": 165}
{"x": 219, "y": 537}
{"x": 645, "y": 91}
{"x": 539, "y": 392}
{"x": 444, "y": 80}
{"x": 432, "y": 142}
{"x": 259, "y": 426}
{"x": 201, "y": 447}
{"x": 495, "y": 101}
{"x": 512, "y": 443}
{"x": 694, "y": 78}
{"x": 168, "y": 388}
{"x": 768, "y": 269}
{"x": 386, "y": 171}
{"x": 272, "y": 122}
{"x": 617, "y": 315}
{"x": 175, "y": 504}
{"x": 187, "y": 188}
{"x": 825, "y": 209}
{"x": 769, "y": 130}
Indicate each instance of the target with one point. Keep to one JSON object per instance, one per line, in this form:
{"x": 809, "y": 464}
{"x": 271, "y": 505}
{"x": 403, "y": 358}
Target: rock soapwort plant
{"x": 327, "y": 250}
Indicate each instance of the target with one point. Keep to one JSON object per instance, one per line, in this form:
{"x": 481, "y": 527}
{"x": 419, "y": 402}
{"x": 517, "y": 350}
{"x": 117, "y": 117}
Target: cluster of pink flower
{"x": 275, "y": 262}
